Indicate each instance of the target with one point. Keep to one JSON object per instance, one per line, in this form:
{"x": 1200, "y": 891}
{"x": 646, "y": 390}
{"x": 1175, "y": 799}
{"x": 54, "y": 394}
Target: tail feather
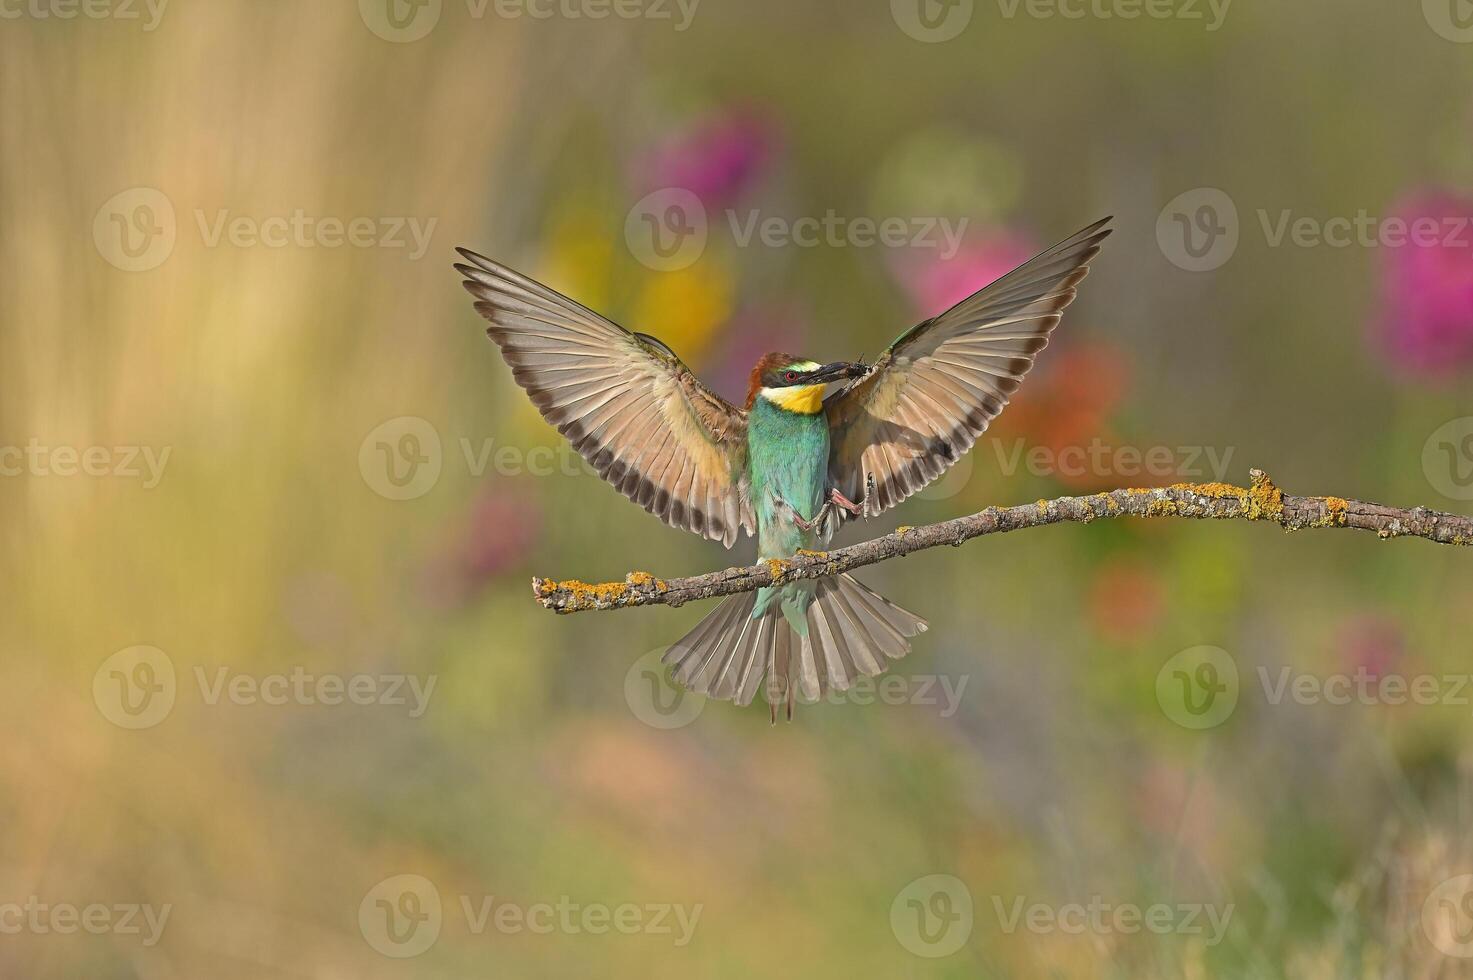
{"x": 851, "y": 632}
{"x": 700, "y": 648}
{"x": 866, "y": 658}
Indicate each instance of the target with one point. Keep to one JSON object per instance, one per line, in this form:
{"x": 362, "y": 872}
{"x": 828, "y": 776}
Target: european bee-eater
{"x": 791, "y": 465}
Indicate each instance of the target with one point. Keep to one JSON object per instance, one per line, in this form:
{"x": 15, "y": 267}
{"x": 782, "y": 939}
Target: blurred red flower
{"x": 716, "y": 158}
{"x": 1426, "y": 320}
{"x": 1126, "y": 600}
{"x": 1065, "y": 406}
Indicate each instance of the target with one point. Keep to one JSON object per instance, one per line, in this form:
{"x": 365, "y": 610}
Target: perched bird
{"x": 791, "y": 465}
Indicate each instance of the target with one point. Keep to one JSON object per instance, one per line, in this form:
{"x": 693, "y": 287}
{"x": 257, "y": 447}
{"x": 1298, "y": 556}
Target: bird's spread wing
{"x": 624, "y": 400}
{"x": 930, "y": 396}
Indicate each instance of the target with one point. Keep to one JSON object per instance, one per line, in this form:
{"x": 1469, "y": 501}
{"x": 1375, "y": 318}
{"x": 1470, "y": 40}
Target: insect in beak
{"x": 837, "y": 371}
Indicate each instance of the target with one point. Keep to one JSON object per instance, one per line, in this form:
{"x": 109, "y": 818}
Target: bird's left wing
{"x": 934, "y": 391}
{"x": 624, "y": 400}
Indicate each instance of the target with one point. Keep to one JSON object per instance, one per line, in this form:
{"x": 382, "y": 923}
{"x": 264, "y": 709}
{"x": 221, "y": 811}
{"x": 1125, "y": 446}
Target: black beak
{"x": 837, "y": 371}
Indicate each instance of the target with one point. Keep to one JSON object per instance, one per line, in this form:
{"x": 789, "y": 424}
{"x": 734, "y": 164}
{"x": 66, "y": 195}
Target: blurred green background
{"x": 208, "y": 218}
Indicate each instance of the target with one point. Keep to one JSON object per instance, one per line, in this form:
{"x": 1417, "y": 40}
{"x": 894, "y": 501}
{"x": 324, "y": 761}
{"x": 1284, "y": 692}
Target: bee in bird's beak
{"x": 837, "y": 371}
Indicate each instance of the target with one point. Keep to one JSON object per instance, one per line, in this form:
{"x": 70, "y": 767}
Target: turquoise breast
{"x": 788, "y": 453}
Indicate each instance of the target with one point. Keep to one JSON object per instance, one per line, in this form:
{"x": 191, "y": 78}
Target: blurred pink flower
{"x": 1372, "y": 643}
{"x": 499, "y": 528}
{"x": 716, "y": 158}
{"x": 1426, "y": 322}
{"x": 934, "y": 284}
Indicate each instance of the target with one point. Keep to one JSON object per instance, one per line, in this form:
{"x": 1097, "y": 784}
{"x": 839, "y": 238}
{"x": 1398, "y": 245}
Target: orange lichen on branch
{"x": 777, "y": 568}
{"x": 571, "y": 595}
{"x": 644, "y": 580}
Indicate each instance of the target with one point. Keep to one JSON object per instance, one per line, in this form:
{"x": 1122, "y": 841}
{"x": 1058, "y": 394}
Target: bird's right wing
{"x": 934, "y": 391}
{"x": 624, "y": 400}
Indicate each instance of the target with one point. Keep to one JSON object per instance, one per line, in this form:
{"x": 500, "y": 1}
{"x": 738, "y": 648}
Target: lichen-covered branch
{"x": 1261, "y": 501}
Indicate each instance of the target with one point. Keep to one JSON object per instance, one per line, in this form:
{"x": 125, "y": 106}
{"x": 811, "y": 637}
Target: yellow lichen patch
{"x": 586, "y": 596}
{"x": 1265, "y": 501}
{"x": 645, "y": 580}
{"x": 1164, "y": 507}
{"x": 1260, "y": 502}
{"x": 812, "y": 554}
{"x": 1335, "y": 510}
{"x": 1217, "y": 491}
{"x": 903, "y": 530}
{"x": 777, "y": 568}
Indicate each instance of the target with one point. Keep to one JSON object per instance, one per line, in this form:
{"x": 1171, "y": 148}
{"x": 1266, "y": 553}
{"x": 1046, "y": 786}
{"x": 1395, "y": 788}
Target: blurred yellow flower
{"x": 684, "y": 308}
{"x": 579, "y": 255}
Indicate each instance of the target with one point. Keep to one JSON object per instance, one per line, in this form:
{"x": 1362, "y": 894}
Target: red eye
{"x": 790, "y": 377}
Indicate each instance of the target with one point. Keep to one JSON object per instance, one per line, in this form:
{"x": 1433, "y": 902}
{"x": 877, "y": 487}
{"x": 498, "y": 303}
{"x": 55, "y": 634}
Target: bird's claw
{"x": 802, "y": 522}
{"x": 838, "y": 499}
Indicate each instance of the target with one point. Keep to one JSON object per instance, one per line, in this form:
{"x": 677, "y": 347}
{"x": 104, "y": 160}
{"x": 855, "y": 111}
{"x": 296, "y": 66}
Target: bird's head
{"x": 796, "y": 384}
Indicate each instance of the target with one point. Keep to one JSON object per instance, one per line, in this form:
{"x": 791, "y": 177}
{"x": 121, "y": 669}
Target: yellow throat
{"x": 807, "y": 400}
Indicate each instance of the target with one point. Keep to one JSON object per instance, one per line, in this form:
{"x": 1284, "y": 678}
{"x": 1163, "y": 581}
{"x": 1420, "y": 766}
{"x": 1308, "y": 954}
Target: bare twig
{"x": 1262, "y": 501}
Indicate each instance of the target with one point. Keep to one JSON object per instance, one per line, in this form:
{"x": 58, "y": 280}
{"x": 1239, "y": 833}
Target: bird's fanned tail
{"x": 851, "y": 631}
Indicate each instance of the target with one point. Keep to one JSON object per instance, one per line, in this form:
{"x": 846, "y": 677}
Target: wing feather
{"x": 933, "y": 393}
{"x": 626, "y": 403}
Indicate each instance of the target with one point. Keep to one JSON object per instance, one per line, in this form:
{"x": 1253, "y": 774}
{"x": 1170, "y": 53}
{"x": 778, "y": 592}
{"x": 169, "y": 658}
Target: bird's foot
{"x": 838, "y": 499}
{"x": 818, "y": 519}
{"x": 791, "y": 513}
